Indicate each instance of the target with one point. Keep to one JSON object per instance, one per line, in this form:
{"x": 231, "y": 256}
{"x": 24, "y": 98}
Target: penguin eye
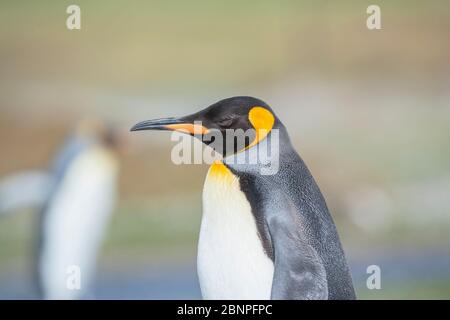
{"x": 225, "y": 123}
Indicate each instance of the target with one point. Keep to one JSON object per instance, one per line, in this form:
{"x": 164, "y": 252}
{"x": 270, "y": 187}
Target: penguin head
{"x": 226, "y": 119}
{"x": 103, "y": 133}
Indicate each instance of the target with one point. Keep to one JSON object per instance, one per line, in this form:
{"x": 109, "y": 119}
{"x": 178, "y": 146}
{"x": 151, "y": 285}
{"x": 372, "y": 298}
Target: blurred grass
{"x": 154, "y": 45}
{"x": 17, "y": 240}
{"x": 155, "y": 227}
{"x": 411, "y": 289}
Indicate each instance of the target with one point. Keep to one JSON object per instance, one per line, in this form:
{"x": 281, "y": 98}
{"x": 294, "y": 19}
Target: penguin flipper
{"x": 23, "y": 190}
{"x": 299, "y": 271}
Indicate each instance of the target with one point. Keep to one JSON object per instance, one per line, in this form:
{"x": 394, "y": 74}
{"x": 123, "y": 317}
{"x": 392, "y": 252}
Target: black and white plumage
{"x": 263, "y": 236}
{"x": 301, "y": 238}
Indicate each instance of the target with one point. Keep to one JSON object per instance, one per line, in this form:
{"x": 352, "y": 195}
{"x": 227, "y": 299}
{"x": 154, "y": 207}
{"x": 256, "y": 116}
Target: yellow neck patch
{"x": 220, "y": 172}
{"x": 262, "y": 121}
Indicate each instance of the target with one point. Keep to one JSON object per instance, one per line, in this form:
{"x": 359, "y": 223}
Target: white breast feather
{"x": 231, "y": 260}
{"x": 75, "y": 222}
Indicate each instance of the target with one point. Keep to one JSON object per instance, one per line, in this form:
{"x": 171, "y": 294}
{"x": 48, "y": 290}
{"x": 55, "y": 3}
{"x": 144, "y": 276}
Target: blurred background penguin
{"x": 76, "y": 198}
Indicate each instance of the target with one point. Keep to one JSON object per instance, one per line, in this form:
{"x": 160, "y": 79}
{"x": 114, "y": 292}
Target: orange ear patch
{"x": 262, "y": 120}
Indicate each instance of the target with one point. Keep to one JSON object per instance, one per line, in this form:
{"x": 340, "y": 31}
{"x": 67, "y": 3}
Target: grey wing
{"x": 299, "y": 271}
{"x": 23, "y": 190}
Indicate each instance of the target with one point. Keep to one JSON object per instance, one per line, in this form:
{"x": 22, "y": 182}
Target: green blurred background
{"x": 369, "y": 111}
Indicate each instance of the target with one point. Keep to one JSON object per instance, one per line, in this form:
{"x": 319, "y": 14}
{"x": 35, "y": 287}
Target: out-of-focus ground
{"x": 369, "y": 111}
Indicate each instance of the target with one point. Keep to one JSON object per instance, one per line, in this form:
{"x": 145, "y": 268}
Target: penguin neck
{"x": 263, "y": 158}
{"x": 105, "y": 157}
{"x": 219, "y": 171}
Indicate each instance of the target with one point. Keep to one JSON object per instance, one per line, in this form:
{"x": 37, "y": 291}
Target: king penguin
{"x": 76, "y": 212}
{"x": 263, "y": 235}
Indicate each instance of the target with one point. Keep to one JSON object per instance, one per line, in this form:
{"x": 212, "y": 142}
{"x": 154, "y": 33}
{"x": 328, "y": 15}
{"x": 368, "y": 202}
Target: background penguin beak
{"x": 175, "y": 124}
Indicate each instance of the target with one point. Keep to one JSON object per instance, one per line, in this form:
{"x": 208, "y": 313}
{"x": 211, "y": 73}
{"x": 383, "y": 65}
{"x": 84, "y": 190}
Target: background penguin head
{"x": 242, "y": 122}
{"x": 110, "y": 136}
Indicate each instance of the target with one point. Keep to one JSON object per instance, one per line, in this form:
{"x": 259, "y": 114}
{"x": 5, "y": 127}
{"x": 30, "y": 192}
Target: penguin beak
{"x": 173, "y": 124}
